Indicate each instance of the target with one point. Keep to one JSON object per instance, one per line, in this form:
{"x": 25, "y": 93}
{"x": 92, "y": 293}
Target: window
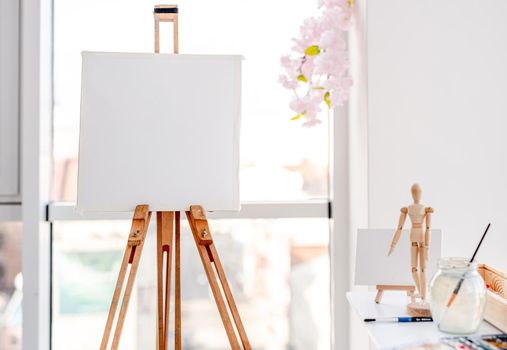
{"x": 278, "y": 267}
{"x": 278, "y": 270}
{"x": 280, "y": 159}
{"x": 9, "y": 117}
{"x": 10, "y": 286}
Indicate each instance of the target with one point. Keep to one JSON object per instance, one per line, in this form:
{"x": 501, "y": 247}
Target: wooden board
{"x": 159, "y": 129}
{"x": 496, "y": 306}
{"x": 373, "y": 266}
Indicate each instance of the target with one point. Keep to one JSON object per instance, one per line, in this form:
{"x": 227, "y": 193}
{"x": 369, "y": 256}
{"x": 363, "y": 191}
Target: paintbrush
{"x": 460, "y": 282}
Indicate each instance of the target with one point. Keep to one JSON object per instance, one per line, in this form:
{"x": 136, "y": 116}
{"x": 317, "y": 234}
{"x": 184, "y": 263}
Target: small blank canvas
{"x": 159, "y": 129}
{"x": 373, "y": 266}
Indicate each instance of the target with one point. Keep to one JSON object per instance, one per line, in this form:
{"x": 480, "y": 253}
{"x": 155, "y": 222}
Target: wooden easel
{"x": 168, "y": 225}
{"x": 383, "y": 287}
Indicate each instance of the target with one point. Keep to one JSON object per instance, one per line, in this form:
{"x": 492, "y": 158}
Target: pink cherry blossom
{"x": 313, "y": 103}
{"x": 333, "y": 40}
{"x": 317, "y": 71}
{"x": 288, "y": 84}
{"x": 298, "y": 105}
{"x": 307, "y": 67}
{"x": 312, "y": 122}
{"x": 344, "y": 4}
{"x": 291, "y": 66}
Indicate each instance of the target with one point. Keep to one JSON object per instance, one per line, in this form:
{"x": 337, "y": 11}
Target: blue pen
{"x": 400, "y": 319}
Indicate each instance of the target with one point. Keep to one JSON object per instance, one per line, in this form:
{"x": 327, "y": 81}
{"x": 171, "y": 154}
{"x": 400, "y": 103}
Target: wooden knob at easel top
{"x": 166, "y": 9}
{"x": 166, "y": 13}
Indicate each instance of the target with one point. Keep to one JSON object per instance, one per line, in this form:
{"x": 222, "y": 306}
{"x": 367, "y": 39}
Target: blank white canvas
{"x": 373, "y": 266}
{"x": 159, "y": 129}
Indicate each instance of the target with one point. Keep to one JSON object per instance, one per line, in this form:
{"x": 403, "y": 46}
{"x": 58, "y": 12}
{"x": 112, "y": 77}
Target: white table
{"x": 392, "y": 335}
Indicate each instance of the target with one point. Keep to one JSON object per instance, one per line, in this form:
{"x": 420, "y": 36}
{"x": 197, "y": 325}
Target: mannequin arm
{"x": 427, "y": 233}
{"x": 397, "y": 233}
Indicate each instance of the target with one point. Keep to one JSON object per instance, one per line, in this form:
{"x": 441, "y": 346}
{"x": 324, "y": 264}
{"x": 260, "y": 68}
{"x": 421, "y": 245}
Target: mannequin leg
{"x": 422, "y": 274}
{"x": 414, "y": 253}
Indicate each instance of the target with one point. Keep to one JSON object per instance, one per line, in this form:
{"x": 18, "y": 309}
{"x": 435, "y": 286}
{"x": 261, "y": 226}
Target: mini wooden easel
{"x": 168, "y": 225}
{"x": 383, "y": 287}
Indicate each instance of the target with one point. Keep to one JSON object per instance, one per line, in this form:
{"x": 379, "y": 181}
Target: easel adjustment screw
{"x": 204, "y": 233}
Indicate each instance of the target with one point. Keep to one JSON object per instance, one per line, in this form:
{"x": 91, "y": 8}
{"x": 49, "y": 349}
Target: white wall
{"x": 437, "y": 112}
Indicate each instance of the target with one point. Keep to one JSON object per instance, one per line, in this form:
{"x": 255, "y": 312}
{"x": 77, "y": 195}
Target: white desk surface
{"x": 392, "y": 335}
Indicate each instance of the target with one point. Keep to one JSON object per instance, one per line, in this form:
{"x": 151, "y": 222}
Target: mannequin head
{"x": 416, "y": 193}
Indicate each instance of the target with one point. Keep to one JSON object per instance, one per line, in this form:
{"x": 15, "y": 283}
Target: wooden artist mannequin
{"x": 420, "y": 241}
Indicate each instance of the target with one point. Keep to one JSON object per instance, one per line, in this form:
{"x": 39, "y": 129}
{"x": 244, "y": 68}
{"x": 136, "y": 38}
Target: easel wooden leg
{"x": 157, "y": 33}
{"x": 229, "y": 297}
{"x": 381, "y": 288}
{"x": 131, "y": 257}
{"x": 177, "y": 285}
{"x": 411, "y": 295}
{"x": 378, "y": 297}
{"x": 208, "y": 253}
{"x": 171, "y": 15}
{"x": 165, "y": 222}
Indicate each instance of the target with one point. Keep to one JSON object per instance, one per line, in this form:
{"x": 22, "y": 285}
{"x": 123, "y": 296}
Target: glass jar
{"x": 466, "y": 312}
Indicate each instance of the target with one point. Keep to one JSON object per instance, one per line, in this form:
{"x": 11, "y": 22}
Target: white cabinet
{"x": 9, "y": 100}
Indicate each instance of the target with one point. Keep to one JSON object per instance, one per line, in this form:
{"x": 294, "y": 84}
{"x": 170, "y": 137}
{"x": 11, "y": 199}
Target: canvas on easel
{"x": 159, "y": 129}
{"x": 374, "y": 268}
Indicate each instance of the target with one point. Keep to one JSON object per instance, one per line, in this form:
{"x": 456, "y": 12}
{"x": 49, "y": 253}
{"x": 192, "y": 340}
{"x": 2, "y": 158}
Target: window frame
{"x": 35, "y": 161}
{"x": 9, "y": 102}
{"x": 65, "y": 211}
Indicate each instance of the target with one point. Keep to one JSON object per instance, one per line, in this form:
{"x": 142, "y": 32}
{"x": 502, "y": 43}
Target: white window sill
{"x": 250, "y": 210}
